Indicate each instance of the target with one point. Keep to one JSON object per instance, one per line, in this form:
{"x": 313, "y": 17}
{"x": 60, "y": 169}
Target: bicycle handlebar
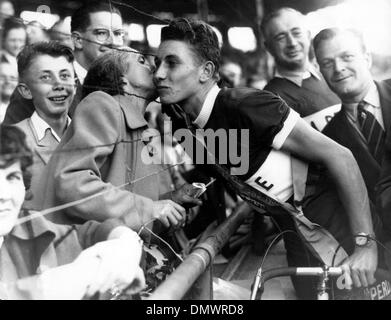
{"x": 263, "y": 276}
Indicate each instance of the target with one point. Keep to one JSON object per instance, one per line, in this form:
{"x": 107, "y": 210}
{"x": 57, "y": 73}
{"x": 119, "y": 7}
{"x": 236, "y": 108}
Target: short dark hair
{"x": 81, "y": 17}
{"x": 51, "y": 48}
{"x": 13, "y": 147}
{"x": 10, "y": 24}
{"x": 330, "y": 33}
{"x": 106, "y": 74}
{"x": 199, "y": 35}
{"x": 274, "y": 14}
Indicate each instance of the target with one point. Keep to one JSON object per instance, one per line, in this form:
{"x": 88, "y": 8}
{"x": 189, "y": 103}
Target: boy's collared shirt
{"x": 40, "y": 127}
{"x": 3, "y": 110}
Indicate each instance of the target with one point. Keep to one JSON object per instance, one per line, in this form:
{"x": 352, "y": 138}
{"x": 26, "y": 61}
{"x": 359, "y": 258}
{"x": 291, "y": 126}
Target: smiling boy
{"x": 47, "y": 78}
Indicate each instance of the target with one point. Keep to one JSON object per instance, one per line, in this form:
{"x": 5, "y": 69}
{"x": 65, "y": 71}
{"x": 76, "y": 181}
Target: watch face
{"x": 361, "y": 240}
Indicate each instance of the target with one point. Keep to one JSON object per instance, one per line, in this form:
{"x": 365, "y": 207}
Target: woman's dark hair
{"x": 106, "y": 74}
{"x": 13, "y": 147}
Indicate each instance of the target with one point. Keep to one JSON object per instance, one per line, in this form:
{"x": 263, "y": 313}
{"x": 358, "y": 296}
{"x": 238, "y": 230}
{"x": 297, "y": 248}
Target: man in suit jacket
{"x": 345, "y": 64}
{"x": 47, "y": 79}
{"x": 91, "y": 27}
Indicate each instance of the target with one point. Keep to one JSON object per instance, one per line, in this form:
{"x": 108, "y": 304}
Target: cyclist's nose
{"x": 160, "y": 73}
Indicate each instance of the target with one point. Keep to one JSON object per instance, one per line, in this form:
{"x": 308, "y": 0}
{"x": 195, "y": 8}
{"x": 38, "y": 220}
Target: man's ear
{"x": 77, "y": 40}
{"x": 309, "y": 35}
{"x": 269, "y": 47}
{"x": 24, "y": 91}
{"x": 208, "y": 71}
{"x": 368, "y": 58}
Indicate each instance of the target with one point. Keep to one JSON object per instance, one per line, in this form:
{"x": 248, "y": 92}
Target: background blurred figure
{"x": 258, "y": 69}
{"x": 61, "y": 32}
{"x": 231, "y": 73}
{"x": 6, "y": 10}
{"x": 14, "y": 39}
{"x": 36, "y": 32}
{"x": 8, "y": 83}
{"x": 256, "y": 82}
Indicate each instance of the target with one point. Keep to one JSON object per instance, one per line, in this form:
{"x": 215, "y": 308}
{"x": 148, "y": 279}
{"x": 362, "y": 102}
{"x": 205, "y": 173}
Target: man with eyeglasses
{"x": 96, "y": 28}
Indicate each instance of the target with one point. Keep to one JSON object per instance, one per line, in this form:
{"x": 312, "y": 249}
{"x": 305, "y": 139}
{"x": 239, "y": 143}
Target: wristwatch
{"x": 362, "y": 239}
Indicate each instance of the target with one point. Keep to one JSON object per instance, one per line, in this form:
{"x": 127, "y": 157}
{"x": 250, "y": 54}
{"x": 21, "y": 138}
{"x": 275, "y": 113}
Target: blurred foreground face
{"x": 288, "y": 40}
{"x": 12, "y": 193}
{"x": 8, "y": 81}
{"x": 345, "y": 65}
{"x": 233, "y": 72}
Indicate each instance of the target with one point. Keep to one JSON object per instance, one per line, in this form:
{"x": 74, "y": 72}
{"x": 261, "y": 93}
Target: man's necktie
{"x": 371, "y": 130}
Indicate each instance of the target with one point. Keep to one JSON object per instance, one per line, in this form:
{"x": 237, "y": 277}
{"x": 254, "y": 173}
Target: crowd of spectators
{"x": 86, "y": 140}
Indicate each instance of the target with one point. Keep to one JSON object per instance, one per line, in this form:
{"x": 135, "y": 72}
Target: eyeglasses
{"x": 102, "y": 34}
